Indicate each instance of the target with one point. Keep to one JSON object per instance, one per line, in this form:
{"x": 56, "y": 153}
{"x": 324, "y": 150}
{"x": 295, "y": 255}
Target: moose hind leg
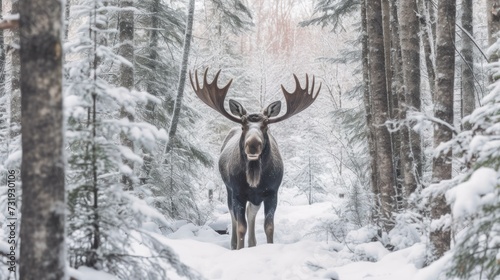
{"x": 251, "y": 214}
{"x": 269, "y": 209}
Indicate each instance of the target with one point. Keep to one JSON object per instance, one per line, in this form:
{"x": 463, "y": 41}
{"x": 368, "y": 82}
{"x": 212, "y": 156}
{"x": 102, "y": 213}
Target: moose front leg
{"x": 233, "y": 232}
{"x": 251, "y": 214}
{"x": 269, "y": 208}
{"x": 241, "y": 223}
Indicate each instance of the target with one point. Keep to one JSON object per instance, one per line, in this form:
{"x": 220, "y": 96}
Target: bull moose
{"x": 250, "y": 163}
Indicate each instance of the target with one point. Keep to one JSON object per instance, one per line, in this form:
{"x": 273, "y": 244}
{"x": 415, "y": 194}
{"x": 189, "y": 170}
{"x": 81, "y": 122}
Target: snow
{"x": 467, "y": 198}
{"x": 299, "y": 252}
{"x": 87, "y": 273}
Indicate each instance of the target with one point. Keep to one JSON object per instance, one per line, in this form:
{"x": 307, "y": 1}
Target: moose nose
{"x": 253, "y": 148}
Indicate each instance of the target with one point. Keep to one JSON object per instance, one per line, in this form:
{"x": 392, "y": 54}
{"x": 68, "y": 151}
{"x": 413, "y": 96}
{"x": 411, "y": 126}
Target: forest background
{"x": 405, "y": 128}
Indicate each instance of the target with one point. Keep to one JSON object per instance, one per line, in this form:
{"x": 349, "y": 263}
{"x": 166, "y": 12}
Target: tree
{"x": 428, "y": 38}
{"x": 410, "y": 51}
{"x": 12, "y": 86}
{"x": 493, "y": 17}
{"x": 370, "y": 129}
{"x": 182, "y": 76}
{"x": 380, "y": 110}
{"x": 398, "y": 94}
{"x": 467, "y": 78}
{"x": 42, "y": 171}
{"x": 443, "y": 110}
{"x": 126, "y": 50}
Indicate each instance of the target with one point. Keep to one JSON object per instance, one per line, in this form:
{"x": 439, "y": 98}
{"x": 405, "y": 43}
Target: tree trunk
{"x": 182, "y": 76}
{"x": 42, "y": 173}
{"x": 397, "y": 92}
{"x": 370, "y": 129}
{"x": 12, "y": 83}
{"x": 428, "y": 39}
{"x": 126, "y": 50}
{"x": 410, "y": 53}
{"x": 2, "y": 59}
{"x": 493, "y": 16}
{"x": 380, "y": 107}
{"x": 392, "y": 99}
{"x": 153, "y": 57}
{"x": 468, "y": 100}
{"x": 443, "y": 110}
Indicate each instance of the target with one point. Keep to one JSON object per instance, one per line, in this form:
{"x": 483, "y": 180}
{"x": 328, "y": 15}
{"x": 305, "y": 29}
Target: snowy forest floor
{"x": 302, "y": 250}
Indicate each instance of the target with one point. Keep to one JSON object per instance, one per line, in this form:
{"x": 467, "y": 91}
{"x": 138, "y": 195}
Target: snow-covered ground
{"x": 300, "y": 251}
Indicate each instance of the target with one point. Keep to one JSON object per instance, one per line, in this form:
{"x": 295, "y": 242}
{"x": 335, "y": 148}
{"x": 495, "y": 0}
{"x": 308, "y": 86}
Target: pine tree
{"x": 475, "y": 254}
{"x": 105, "y": 219}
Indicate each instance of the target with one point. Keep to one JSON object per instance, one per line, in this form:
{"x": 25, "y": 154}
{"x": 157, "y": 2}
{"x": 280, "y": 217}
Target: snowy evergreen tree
{"x": 474, "y": 201}
{"x": 106, "y": 217}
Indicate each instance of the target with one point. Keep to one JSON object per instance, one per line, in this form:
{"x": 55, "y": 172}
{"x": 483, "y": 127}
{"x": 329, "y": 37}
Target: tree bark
{"x": 410, "y": 52}
{"x": 12, "y": 83}
{"x": 370, "y": 129}
{"x": 42, "y": 173}
{"x": 397, "y": 92}
{"x": 182, "y": 76}
{"x": 428, "y": 39}
{"x": 380, "y": 109}
{"x": 493, "y": 17}
{"x": 468, "y": 98}
{"x": 443, "y": 110}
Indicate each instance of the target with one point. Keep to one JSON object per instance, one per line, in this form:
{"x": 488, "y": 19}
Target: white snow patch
{"x": 466, "y": 198}
{"x": 87, "y": 273}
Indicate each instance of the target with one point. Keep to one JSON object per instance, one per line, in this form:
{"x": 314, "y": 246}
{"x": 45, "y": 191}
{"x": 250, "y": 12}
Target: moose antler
{"x": 297, "y": 101}
{"x": 211, "y": 94}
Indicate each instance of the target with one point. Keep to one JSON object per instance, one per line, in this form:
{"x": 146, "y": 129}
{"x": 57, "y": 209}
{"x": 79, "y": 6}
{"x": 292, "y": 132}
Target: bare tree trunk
{"x": 42, "y": 173}
{"x": 126, "y": 32}
{"x": 468, "y": 100}
{"x": 2, "y": 58}
{"x": 386, "y": 21}
{"x": 443, "y": 110}
{"x": 182, "y": 76}
{"x": 410, "y": 52}
{"x": 493, "y": 14}
{"x": 380, "y": 107}
{"x": 13, "y": 69}
{"x": 389, "y": 73}
{"x": 370, "y": 129}
{"x": 428, "y": 39}
{"x": 397, "y": 91}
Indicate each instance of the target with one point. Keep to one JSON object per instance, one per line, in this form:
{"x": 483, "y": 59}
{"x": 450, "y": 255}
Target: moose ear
{"x": 236, "y": 108}
{"x": 273, "y": 109}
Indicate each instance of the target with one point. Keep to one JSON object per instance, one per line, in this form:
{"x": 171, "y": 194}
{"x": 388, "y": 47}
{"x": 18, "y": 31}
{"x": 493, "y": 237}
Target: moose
{"x": 250, "y": 163}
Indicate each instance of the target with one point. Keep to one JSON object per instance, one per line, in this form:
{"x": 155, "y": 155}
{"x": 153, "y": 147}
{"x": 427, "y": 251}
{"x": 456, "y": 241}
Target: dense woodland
{"x": 113, "y": 148}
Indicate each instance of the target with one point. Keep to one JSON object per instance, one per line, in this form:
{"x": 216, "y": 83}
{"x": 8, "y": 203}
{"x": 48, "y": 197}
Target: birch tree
{"x": 42, "y": 170}
{"x": 443, "y": 110}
